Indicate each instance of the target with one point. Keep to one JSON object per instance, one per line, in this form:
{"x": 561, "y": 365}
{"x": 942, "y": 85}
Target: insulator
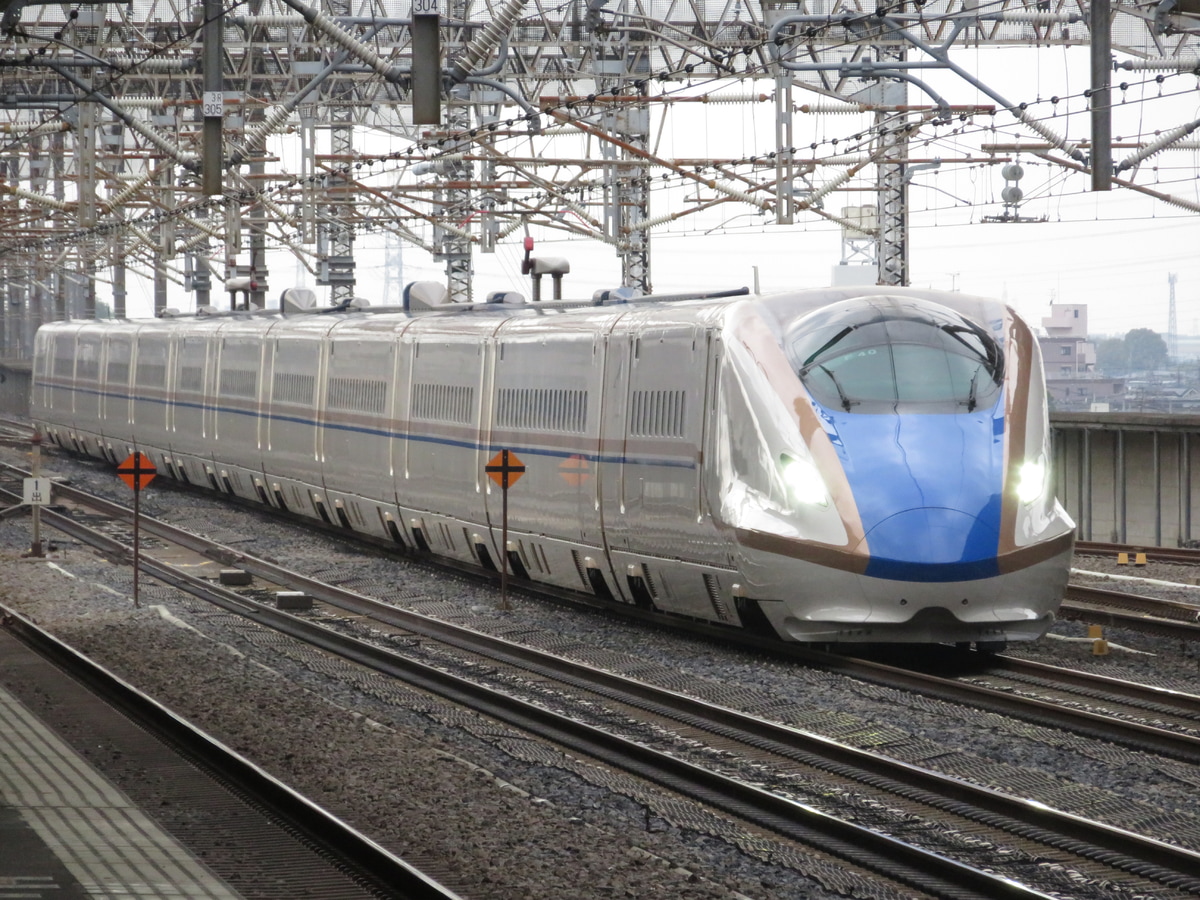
{"x": 292, "y": 21}
{"x": 40, "y": 199}
{"x": 29, "y": 129}
{"x": 1012, "y": 172}
{"x": 143, "y": 102}
{"x": 655, "y": 221}
{"x": 1046, "y": 132}
{"x": 1158, "y": 145}
{"x": 329, "y": 27}
{"x": 1012, "y": 194}
{"x": 1034, "y": 18}
{"x": 150, "y": 64}
{"x": 127, "y": 192}
{"x": 830, "y": 186}
{"x": 833, "y": 109}
{"x": 738, "y": 195}
{"x": 493, "y": 33}
{"x": 276, "y": 117}
{"x": 736, "y": 98}
{"x": 1178, "y": 65}
{"x": 1181, "y": 203}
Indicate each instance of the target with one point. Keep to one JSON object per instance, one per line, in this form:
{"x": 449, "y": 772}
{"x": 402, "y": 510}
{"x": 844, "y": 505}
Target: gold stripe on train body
{"x": 837, "y": 558}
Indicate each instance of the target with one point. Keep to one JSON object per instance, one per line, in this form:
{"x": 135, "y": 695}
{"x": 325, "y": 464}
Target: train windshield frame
{"x": 884, "y": 354}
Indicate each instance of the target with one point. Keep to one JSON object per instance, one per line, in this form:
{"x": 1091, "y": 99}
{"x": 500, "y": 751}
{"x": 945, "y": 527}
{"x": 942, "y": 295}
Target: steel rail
{"x": 1154, "y": 698}
{"x": 1149, "y": 695}
{"x": 1135, "y": 735}
{"x": 385, "y": 872}
{"x": 1170, "y": 628}
{"x": 1169, "y": 610}
{"x": 1028, "y": 819}
{"x": 1186, "y": 555}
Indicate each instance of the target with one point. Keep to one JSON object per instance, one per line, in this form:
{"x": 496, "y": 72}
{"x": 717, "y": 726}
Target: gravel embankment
{"x": 508, "y": 818}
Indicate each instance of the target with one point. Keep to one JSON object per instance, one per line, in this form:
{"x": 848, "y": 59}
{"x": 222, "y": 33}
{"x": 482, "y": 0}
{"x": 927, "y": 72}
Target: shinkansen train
{"x": 835, "y": 465}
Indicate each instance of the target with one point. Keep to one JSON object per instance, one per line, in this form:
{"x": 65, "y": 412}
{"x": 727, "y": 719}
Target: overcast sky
{"x": 1113, "y": 251}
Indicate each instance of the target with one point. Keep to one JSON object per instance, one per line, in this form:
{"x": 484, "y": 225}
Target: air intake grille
{"x": 542, "y": 409}
{"x": 443, "y": 403}
{"x": 357, "y": 394}
{"x": 658, "y": 414}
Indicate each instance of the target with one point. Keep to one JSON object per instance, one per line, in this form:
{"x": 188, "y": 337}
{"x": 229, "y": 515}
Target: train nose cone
{"x": 932, "y": 544}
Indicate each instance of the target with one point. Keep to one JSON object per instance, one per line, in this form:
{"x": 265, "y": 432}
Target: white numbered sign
{"x": 425, "y": 7}
{"x": 37, "y": 491}
{"x": 214, "y": 103}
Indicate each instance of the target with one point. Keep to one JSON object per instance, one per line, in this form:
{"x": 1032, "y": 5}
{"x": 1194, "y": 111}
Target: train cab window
{"x": 877, "y": 354}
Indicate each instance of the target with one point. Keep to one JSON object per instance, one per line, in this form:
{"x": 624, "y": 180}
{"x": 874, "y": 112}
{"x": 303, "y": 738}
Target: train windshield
{"x": 875, "y": 354}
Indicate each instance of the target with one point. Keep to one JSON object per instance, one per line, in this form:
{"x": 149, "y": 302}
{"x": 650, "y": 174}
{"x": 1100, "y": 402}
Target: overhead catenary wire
{"x": 246, "y": 197}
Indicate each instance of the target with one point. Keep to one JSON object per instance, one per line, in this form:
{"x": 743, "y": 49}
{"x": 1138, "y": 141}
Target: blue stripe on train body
{"x": 928, "y": 489}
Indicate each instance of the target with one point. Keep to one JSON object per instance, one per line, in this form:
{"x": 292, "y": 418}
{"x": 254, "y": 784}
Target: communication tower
{"x": 1172, "y": 322}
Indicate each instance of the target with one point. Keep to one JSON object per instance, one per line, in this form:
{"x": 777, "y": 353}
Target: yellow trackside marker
{"x": 1139, "y": 559}
{"x": 1122, "y": 559}
{"x": 1099, "y": 644}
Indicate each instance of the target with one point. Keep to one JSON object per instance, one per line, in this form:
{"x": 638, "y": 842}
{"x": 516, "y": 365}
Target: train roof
{"x": 777, "y": 309}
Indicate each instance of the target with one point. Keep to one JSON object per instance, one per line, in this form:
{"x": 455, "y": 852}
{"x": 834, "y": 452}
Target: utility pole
{"x": 1100, "y": 25}
{"x": 214, "y": 98}
{"x": 891, "y": 179}
{"x": 626, "y": 187}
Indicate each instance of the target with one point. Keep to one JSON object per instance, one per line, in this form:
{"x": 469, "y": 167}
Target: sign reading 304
{"x": 425, "y": 7}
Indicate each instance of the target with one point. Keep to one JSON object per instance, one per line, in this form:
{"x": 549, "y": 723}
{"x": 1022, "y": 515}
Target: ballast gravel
{"x": 484, "y": 811}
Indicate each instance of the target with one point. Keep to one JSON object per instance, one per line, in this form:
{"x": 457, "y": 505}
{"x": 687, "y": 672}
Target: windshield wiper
{"x": 846, "y": 401}
{"x": 808, "y": 363}
{"x": 989, "y": 355}
{"x": 971, "y": 392}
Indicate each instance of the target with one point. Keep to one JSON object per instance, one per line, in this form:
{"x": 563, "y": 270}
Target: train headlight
{"x": 803, "y": 480}
{"x": 1031, "y": 480}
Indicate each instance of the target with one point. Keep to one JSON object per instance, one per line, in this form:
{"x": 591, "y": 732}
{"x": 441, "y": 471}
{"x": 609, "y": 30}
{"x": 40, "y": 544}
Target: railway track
{"x": 1182, "y": 555}
{"x": 1137, "y": 722}
{"x": 332, "y": 855}
{"x": 953, "y": 804}
{"x": 1168, "y": 618}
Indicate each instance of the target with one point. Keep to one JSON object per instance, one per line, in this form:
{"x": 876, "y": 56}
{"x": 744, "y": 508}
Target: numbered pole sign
{"x": 214, "y": 104}
{"x": 37, "y": 491}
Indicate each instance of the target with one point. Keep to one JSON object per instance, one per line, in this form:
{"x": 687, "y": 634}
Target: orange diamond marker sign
{"x": 137, "y": 471}
{"x": 575, "y": 470}
{"x": 504, "y": 468}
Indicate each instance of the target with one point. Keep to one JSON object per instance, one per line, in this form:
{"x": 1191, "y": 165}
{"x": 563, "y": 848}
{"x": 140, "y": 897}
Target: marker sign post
{"x": 504, "y": 468}
{"x": 36, "y": 492}
{"x": 137, "y": 471}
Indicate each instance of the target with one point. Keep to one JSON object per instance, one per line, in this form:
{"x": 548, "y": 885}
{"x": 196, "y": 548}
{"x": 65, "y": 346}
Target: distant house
{"x": 1068, "y": 393}
{"x": 1066, "y": 350}
{"x": 1070, "y": 362}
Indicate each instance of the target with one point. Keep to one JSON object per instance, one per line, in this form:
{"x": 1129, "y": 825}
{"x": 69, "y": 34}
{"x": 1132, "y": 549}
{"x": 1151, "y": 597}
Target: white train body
{"x": 677, "y": 454}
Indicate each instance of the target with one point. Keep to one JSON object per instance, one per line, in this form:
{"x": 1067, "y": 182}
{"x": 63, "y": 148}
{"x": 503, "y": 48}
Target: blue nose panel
{"x": 932, "y": 544}
{"x": 927, "y": 488}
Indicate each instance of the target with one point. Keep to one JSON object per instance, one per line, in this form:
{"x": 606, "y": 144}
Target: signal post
{"x": 504, "y": 469}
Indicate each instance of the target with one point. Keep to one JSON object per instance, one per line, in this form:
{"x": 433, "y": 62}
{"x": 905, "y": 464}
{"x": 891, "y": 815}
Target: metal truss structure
{"x": 181, "y": 141}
